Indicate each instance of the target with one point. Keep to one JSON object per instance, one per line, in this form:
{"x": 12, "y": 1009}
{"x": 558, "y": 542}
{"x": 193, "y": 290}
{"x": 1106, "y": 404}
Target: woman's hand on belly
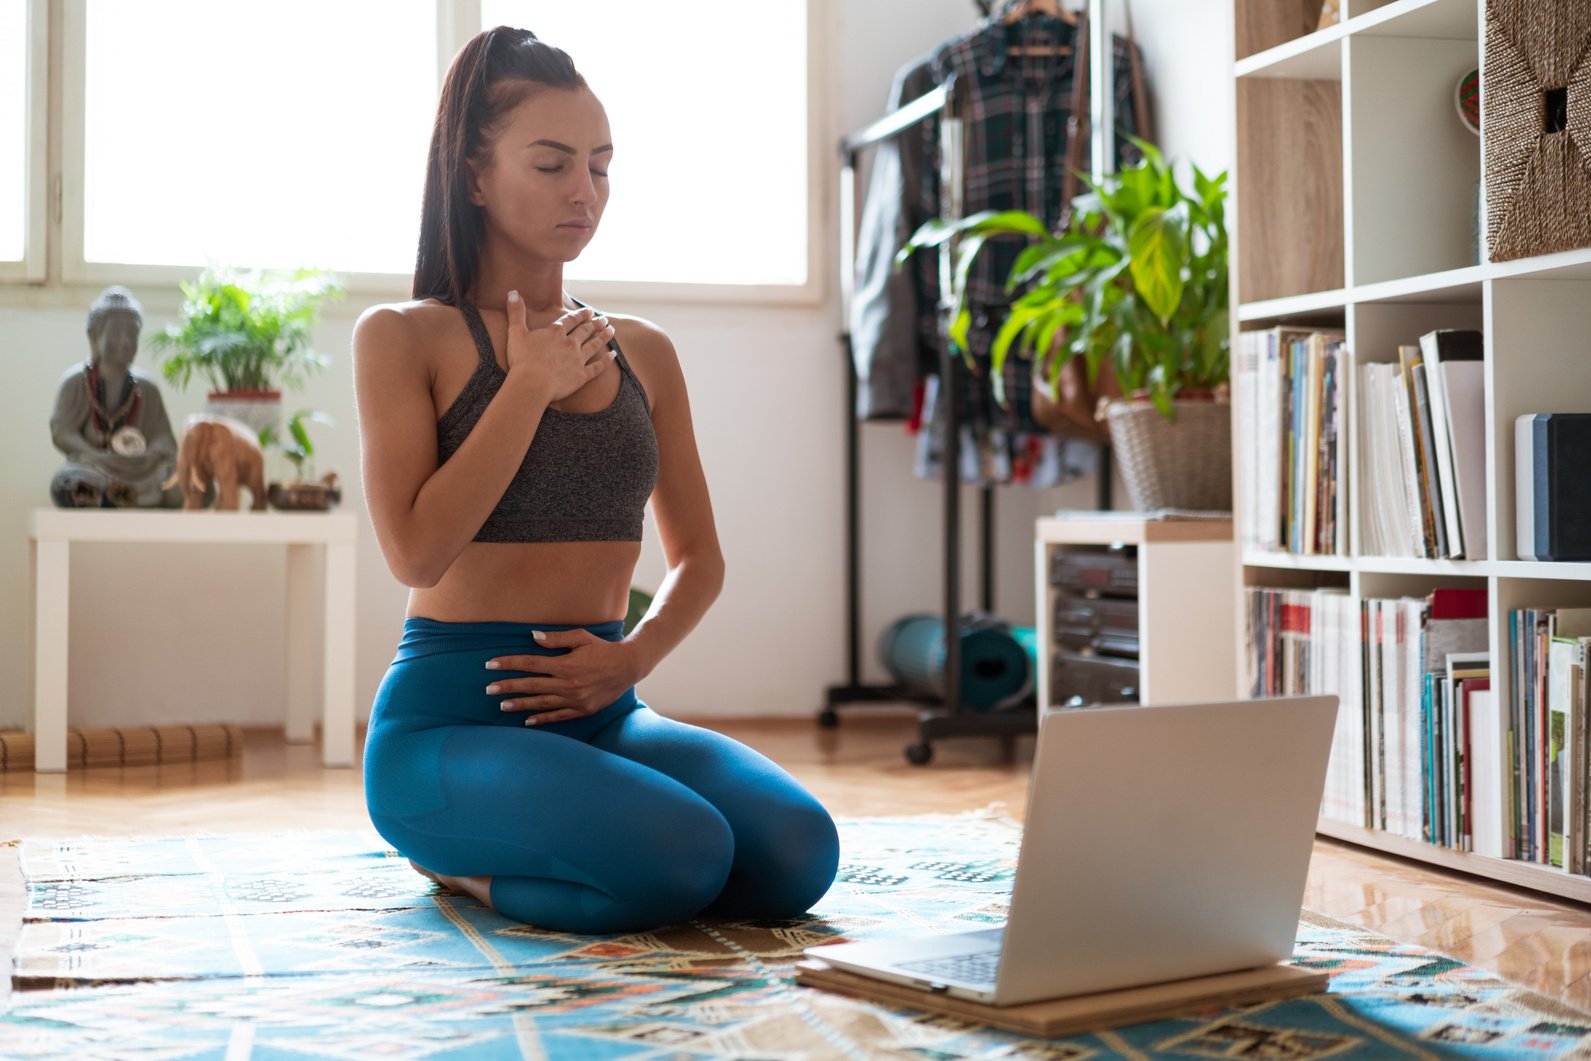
{"x": 580, "y": 682}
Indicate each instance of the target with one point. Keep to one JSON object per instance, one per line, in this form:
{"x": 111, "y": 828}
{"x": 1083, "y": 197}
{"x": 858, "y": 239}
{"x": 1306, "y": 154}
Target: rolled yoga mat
{"x": 995, "y": 667}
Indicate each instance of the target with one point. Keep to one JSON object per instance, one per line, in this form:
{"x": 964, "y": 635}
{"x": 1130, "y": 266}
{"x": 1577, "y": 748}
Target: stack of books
{"x": 1545, "y": 809}
{"x": 1424, "y": 660}
{"x": 1307, "y": 642}
{"x": 1292, "y": 424}
{"x": 1408, "y": 673}
{"x": 1422, "y": 450}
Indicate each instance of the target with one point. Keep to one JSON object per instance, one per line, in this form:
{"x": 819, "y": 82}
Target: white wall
{"x": 1187, "y": 50}
{"x": 182, "y": 634}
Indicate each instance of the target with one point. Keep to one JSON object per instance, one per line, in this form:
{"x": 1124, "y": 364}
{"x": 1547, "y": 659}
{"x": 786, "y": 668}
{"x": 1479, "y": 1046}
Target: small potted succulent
{"x": 248, "y": 332}
{"x": 1135, "y": 288}
{"x": 300, "y": 494}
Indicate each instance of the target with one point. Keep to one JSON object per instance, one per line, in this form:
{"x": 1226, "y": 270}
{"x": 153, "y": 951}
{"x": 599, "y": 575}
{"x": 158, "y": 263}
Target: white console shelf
{"x": 54, "y": 531}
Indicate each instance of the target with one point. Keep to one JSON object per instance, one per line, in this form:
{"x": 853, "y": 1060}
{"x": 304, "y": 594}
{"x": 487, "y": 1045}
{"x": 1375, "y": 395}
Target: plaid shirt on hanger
{"x": 1015, "y": 112}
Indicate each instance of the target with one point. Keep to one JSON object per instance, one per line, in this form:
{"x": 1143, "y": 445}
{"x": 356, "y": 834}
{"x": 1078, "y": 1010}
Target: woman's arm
{"x": 424, "y": 515}
{"x": 680, "y": 506}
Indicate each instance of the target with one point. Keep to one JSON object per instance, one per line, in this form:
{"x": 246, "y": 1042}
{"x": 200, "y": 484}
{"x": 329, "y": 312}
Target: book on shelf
{"x": 1490, "y": 759}
{"x": 1446, "y": 354}
{"x": 1305, "y": 641}
{"x": 1452, "y": 657}
{"x": 1552, "y": 490}
{"x": 1384, "y": 527}
{"x": 1422, "y": 450}
{"x": 1547, "y": 768}
{"x": 1449, "y": 816}
{"x": 1289, "y": 389}
{"x": 1565, "y": 657}
{"x": 1408, "y": 672}
{"x": 1433, "y": 523}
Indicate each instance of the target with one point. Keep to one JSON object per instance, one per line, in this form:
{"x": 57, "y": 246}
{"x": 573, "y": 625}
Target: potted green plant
{"x": 1135, "y": 285}
{"x": 248, "y": 332}
{"x": 297, "y": 447}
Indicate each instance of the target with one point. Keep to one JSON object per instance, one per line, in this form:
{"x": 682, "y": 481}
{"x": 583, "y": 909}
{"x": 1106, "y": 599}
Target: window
{"x": 280, "y": 134}
{"x": 710, "y": 169}
{"x": 14, "y": 154}
{"x": 294, "y": 133}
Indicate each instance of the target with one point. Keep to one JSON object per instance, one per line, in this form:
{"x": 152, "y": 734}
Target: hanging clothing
{"x": 891, "y": 353}
{"x": 1015, "y": 115}
{"x": 1016, "y": 112}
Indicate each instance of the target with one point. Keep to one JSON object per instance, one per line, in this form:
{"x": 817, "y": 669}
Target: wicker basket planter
{"x": 1184, "y": 463}
{"x": 1536, "y": 121}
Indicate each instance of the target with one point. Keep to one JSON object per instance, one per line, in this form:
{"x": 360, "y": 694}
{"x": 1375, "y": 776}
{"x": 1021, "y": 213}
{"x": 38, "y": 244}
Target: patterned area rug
{"x": 328, "y": 945}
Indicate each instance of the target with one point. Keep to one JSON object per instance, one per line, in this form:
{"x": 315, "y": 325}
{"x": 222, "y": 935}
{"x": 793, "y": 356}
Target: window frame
{"x": 30, "y": 269}
{"x": 457, "y": 22}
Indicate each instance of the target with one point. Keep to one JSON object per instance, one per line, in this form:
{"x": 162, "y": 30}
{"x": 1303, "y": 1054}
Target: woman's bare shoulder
{"x": 650, "y": 353}
{"x": 413, "y": 328}
{"x": 643, "y": 342}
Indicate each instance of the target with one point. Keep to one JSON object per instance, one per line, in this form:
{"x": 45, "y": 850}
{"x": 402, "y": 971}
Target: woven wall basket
{"x": 1536, "y": 119}
{"x": 1180, "y": 463}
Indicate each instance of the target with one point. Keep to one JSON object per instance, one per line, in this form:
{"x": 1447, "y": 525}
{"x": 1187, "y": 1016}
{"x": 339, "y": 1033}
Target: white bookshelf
{"x": 1354, "y": 203}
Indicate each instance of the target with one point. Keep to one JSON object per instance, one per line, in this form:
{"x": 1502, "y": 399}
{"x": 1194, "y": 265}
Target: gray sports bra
{"x": 586, "y": 476}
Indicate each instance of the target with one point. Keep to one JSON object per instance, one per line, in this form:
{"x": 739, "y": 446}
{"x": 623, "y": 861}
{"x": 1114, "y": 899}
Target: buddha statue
{"x": 110, "y": 421}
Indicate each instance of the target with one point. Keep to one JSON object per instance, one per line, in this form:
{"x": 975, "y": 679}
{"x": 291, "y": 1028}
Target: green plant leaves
{"x": 987, "y": 223}
{"x": 1158, "y": 251}
{"x": 247, "y": 330}
{"x": 1137, "y": 278}
{"x": 301, "y": 448}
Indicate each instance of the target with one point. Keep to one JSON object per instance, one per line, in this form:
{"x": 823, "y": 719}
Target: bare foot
{"x": 479, "y": 887}
{"x": 427, "y": 873}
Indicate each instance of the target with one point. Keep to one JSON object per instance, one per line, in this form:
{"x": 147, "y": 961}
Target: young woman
{"x": 511, "y": 437}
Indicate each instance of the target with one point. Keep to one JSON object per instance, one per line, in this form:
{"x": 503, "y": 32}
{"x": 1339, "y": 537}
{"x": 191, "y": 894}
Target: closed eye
{"x": 559, "y": 169}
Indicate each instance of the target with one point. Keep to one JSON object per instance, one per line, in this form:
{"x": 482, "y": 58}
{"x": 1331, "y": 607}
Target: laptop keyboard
{"x": 975, "y": 968}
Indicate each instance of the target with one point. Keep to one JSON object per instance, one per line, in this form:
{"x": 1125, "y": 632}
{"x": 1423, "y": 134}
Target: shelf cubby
{"x": 1289, "y": 166}
{"x": 1266, "y": 24}
{"x": 1296, "y": 576}
{"x": 1536, "y": 335}
{"x": 1377, "y": 329}
{"x": 1452, "y": 19}
{"x": 1353, "y": 9}
{"x": 1391, "y": 584}
{"x": 1414, "y": 168}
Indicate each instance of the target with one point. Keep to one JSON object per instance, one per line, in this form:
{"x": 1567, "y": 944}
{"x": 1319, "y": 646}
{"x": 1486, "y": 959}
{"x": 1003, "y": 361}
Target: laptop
{"x": 1162, "y": 843}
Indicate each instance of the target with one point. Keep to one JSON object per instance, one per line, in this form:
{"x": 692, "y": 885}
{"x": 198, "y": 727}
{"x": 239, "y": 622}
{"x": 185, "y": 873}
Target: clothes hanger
{"x": 1020, "y": 9}
{"x": 1017, "y": 10}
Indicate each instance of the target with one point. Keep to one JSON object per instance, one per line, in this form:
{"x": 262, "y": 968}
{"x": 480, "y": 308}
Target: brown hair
{"x": 490, "y": 76}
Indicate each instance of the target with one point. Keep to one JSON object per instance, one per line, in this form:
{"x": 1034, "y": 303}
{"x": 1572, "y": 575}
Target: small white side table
{"x": 1186, "y": 575}
{"x": 53, "y": 532}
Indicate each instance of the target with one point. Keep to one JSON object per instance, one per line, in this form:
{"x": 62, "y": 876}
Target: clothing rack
{"x": 949, "y": 719}
{"x": 945, "y": 717}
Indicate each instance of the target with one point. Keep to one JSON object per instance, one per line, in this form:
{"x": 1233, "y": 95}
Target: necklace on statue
{"x": 116, "y": 427}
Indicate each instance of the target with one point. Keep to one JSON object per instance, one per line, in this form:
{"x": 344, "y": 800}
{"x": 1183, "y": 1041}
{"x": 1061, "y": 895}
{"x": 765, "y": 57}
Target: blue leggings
{"x": 618, "y": 821}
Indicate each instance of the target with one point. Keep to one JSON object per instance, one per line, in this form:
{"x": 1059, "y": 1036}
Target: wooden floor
{"x": 857, "y": 769}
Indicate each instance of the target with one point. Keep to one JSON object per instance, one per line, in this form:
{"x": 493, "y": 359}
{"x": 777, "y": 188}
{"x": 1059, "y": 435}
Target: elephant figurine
{"x": 221, "y": 451}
